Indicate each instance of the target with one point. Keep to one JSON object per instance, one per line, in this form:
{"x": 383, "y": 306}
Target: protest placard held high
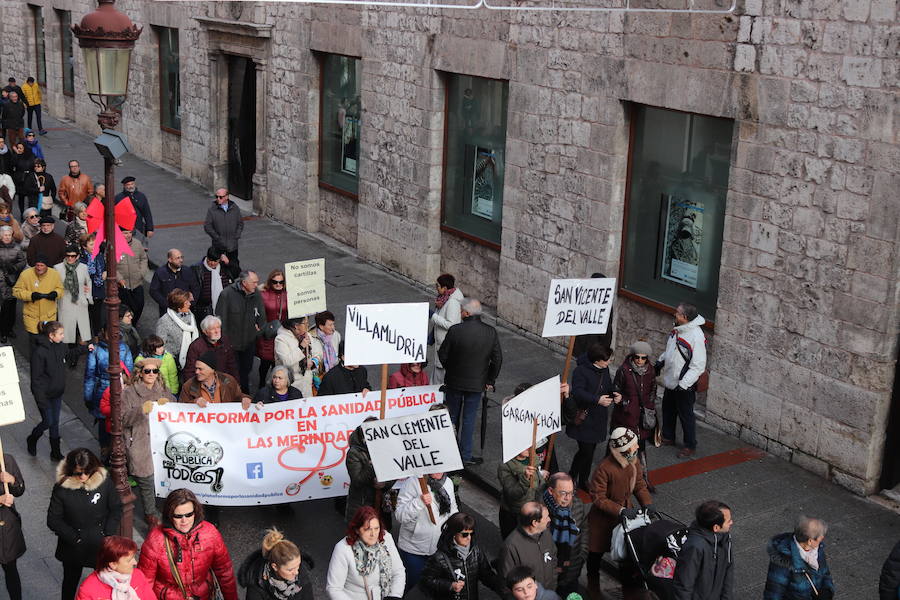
{"x": 579, "y": 306}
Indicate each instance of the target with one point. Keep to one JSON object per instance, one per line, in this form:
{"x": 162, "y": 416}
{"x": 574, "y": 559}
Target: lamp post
{"x": 106, "y": 37}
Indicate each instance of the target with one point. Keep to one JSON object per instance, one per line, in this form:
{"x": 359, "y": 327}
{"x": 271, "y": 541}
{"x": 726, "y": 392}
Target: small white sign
{"x": 9, "y": 374}
{"x": 579, "y": 306}
{"x": 379, "y": 334}
{"x": 305, "y": 287}
{"x": 539, "y": 402}
{"x": 12, "y": 410}
{"x": 412, "y": 446}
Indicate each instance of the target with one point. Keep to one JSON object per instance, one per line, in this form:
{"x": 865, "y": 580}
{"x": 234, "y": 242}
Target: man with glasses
{"x": 74, "y": 187}
{"x": 569, "y": 528}
{"x": 169, "y": 277}
{"x": 224, "y": 226}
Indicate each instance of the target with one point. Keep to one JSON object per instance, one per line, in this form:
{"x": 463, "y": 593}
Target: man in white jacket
{"x": 418, "y": 537}
{"x": 683, "y": 362}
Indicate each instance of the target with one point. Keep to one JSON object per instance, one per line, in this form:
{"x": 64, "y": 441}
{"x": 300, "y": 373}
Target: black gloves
{"x": 51, "y": 296}
{"x": 35, "y": 296}
{"x": 629, "y": 513}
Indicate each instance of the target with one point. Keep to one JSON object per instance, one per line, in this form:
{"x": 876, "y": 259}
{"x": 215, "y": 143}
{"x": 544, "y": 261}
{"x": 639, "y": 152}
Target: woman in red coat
{"x": 116, "y": 576}
{"x": 196, "y": 548}
{"x": 274, "y": 299}
{"x": 409, "y": 375}
{"x": 636, "y": 381}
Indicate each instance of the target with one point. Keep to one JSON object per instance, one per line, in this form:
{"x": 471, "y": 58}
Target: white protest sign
{"x": 305, "y": 287}
{"x": 412, "y": 446}
{"x": 579, "y": 306}
{"x": 12, "y": 410}
{"x": 379, "y": 334}
{"x": 539, "y": 402}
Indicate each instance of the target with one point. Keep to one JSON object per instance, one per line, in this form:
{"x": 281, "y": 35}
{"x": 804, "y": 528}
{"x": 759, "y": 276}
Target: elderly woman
{"x": 78, "y": 227}
{"x": 292, "y": 349}
{"x": 797, "y": 566}
{"x": 30, "y": 225}
{"x": 180, "y": 557}
{"x": 177, "y": 327}
{"x": 72, "y": 306}
{"x": 6, "y": 219}
{"x": 12, "y": 262}
{"x": 365, "y": 564}
{"x": 137, "y": 402}
{"x": 276, "y": 571}
{"x": 279, "y": 388}
{"x": 274, "y": 299}
{"x": 115, "y": 575}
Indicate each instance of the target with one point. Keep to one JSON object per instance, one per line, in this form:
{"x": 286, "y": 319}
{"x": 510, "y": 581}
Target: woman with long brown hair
{"x": 274, "y": 297}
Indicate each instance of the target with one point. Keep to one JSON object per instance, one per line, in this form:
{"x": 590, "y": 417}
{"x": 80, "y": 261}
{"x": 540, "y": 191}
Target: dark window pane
{"x": 169, "y": 79}
{"x": 476, "y": 151}
{"x": 68, "y": 59}
{"x": 40, "y": 58}
{"x": 676, "y": 207}
{"x": 340, "y": 122}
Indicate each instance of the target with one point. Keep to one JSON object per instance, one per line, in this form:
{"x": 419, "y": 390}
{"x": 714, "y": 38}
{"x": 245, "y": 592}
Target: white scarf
{"x": 215, "y": 283}
{"x": 188, "y": 333}
{"x": 120, "y": 584}
{"x": 810, "y": 557}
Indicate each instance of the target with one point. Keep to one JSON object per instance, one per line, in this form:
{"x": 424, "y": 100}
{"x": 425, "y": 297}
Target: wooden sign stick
{"x": 424, "y": 487}
{"x": 562, "y": 379}
{"x": 3, "y": 468}
{"x": 384, "y": 383}
{"x": 533, "y": 459}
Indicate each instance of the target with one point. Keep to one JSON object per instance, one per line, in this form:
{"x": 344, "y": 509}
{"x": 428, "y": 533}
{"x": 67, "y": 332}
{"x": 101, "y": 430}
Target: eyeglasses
{"x": 278, "y": 282}
{"x": 218, "y": 196}
{"x": 71, "y": 256}
{"x": 565, "y": 494}
{"x": 639, "y": 357}
{"x": 81, "y": 474}
{"x": 151, "y": 370}
{"x": 184, "y": 516}
{"x": 465, "y": 534}
{"x": 33, "y": 216}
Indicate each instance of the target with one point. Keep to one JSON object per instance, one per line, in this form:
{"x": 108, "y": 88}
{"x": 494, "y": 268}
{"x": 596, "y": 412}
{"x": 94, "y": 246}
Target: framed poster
{"x": 683, "y": 236}
{"x": 484, "y": 169}
{"x": 350, "y": 145}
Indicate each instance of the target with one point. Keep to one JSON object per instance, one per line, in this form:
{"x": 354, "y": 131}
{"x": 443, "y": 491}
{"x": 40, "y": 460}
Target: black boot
{"x": 32, "y": 441}
{"x": 55, "y": 454}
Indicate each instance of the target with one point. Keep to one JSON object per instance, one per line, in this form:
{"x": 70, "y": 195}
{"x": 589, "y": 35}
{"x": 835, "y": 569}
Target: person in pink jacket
{"x": 116, "y": 577}
{"x": 409, "y": 375}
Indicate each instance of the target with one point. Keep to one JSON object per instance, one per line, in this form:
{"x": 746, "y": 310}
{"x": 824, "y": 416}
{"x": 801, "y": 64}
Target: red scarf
{"x": 442, "y": 298}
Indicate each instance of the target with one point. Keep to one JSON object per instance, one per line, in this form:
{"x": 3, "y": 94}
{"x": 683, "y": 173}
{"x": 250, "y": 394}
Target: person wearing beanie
{"x": 48, "y": 243}
{"x": 210, "y": 385}
{"x": 636, "y": 381}
{"x": 38, "y": 288}
{"x": 616, "y": 479}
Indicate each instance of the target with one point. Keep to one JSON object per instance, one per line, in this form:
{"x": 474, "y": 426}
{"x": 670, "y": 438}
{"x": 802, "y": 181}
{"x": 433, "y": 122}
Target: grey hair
{"x": 6, "y": 228}
{"x": 79, "y": 206}
{"x": 557, "y": 477}
{"x": 29, "y": 211}
{"x": 471, "y": 306}
{"x": 808, "y": 528}
{"x": 210, "y": 321}
{"x": 688, "y": 310}
{"x": 245, "y": 274}
{"x": 287, "y": 373}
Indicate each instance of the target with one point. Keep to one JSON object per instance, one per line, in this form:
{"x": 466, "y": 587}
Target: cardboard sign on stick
{"x": 579, "y": 306}
{"x": 305, "y": 286}
{"x": 539, "y": 402}
{"x": 386, "y": 333}
{"x": 412, "y": 446}
{"x": 9, "y": 374}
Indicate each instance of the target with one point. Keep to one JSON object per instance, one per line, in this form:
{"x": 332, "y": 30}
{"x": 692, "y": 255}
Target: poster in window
{"x": 485, "y": 172}
{"x": 683, "y": 237}
{"x": 350, "y": 145}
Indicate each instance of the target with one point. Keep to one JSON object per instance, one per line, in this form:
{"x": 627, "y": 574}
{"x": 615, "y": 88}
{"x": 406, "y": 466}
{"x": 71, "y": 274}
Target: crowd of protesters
{"x": 217, "y": 320}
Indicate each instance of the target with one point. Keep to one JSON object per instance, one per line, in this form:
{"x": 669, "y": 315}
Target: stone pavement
{"x": 765, "y": 492}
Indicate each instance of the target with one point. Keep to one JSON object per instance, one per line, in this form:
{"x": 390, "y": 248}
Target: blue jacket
{"x": 787, "y": 571}
{"x": 96, "y": 379}
{"x": 35, "y": 148}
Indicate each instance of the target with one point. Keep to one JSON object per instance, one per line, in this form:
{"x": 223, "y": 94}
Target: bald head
{"x": 222, "y": 196}
{"x": 471, "y": 307}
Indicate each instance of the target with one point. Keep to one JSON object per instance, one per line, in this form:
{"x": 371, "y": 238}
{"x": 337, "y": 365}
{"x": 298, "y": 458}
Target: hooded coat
{"x": 406, "y": 378}
{"x": 12, "y": 542}
{"x": 12, "y": 262}
{"x": 690, "y": 336}
{"x": 250, "y": 576}
{"x": 96, "y": 377}
{"x": 198, "y": 554}
{"x": 638, "y": 391}
{"x": 612, "y": 487}
{"x": 48, "y": 371}
{"x": 82, "y": 514}
{"x": 704, "y": 570}
{"x": 788, "y": 572}
{"x": 589, "y": 383}
{"x": 447, "y": 566}
{"x": 136, "y": 425}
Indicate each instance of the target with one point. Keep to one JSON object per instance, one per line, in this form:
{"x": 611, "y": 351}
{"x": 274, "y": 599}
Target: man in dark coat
{"x": 48, "y": 243}
{"x": 210, "y": 340}
{"x": 569, "y": 529}
{"x": 472, "y": 358}
{"x": 205, "y": 273}
{"x": 224, "y": 226}
{"x": 14, "y": 118}
{"x": 705, "y": 568}
{"x": 170, "y": 276}
{"x": 531, "y": 545}
{"x": 889, "y": 583}
{"x": 144, "y": 221}
{"x": 243, "y": 315}
{"x": 345, "y": 379}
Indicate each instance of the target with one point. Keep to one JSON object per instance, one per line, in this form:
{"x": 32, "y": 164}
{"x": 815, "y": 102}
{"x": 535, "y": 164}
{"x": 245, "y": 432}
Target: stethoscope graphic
{"x": 294, "y": 488}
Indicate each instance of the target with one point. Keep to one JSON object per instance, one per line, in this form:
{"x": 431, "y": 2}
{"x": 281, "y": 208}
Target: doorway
{"x": 241, "y": 126}
{"x": 890, "y": 471}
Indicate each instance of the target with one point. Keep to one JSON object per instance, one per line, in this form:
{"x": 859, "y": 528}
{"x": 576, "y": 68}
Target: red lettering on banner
{"x": 311, "y": 425}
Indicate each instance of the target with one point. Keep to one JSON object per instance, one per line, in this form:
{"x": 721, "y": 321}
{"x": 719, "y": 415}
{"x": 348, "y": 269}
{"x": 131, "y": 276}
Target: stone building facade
{"x": 804, "y": 295}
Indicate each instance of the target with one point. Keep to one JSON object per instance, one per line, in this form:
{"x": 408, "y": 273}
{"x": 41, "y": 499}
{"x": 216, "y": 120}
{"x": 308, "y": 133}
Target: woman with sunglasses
{"x": 181, "y": 556}
{"x": 145, "y": 388}
{"x": 636, "y": 381}
{"x": 274, "y": 300}
{"x": 31, "y": 225}
{"x": 454, "y": 570}
{"x": 84, "y": 508}
{"x": 76, "y": 297}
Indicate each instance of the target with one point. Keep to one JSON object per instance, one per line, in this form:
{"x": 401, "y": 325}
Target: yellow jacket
{"x": 32, "y": 93}
{"x": 33, "y": 312}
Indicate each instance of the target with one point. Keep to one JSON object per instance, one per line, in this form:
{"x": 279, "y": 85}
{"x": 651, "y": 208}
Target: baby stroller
{"x": 652, "y": 543}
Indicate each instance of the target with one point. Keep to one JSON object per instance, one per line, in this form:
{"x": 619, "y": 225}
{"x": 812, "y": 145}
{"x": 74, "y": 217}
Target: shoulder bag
{"x": 175, "y": 574}
{"x": 702, "y": 383}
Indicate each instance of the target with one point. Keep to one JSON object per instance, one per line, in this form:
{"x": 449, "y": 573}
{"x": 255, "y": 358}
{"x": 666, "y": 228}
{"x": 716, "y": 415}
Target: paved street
{"x": 765, "y": 492}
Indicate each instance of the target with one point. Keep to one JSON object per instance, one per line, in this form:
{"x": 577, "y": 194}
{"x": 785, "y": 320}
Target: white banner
{"x": 287, "y": 451}
{"x": 305, "y": 287}
{"x": 413, "y": 446}
{"x": 12, "y": 409}
{"x": 579, "y": 306}
{"x": 539, "y": 402}
{"x": 386, "y": 333}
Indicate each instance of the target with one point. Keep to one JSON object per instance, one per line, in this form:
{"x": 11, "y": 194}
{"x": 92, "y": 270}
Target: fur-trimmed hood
{"x": 73, "y": 483}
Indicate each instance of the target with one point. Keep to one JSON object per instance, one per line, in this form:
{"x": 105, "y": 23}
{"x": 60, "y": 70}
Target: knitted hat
{"x": 640, "y": 347}
{"x": 41, "y": 258}
{"x": 209, "y": 359}
{"x": 622, "y": 439}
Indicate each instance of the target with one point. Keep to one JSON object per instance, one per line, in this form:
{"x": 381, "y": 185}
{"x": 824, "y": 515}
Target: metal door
{"x": 241, "y": 126}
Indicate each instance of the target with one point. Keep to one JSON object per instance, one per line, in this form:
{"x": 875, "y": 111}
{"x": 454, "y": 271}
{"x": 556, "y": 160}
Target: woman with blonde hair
{"x": 277, "y": 571}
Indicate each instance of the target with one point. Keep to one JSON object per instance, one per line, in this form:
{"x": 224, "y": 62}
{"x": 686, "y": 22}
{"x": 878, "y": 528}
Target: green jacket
{"x": 515, "y": 489}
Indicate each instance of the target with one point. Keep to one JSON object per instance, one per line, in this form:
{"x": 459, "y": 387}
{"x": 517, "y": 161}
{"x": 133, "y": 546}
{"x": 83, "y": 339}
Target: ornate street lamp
{"x": 106, "y": 37}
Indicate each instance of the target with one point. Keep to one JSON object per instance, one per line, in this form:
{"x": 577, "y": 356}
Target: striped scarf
{"x": 562, "y": 525}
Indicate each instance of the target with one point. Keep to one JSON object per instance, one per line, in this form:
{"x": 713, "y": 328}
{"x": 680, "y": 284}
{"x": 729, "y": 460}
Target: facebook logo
{"x": 254, "y": 471}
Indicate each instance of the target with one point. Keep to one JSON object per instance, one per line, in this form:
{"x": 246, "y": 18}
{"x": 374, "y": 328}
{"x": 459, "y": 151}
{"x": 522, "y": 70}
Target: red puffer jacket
{"x": 275, "y": 304}
{"x": 198, "y": 554}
